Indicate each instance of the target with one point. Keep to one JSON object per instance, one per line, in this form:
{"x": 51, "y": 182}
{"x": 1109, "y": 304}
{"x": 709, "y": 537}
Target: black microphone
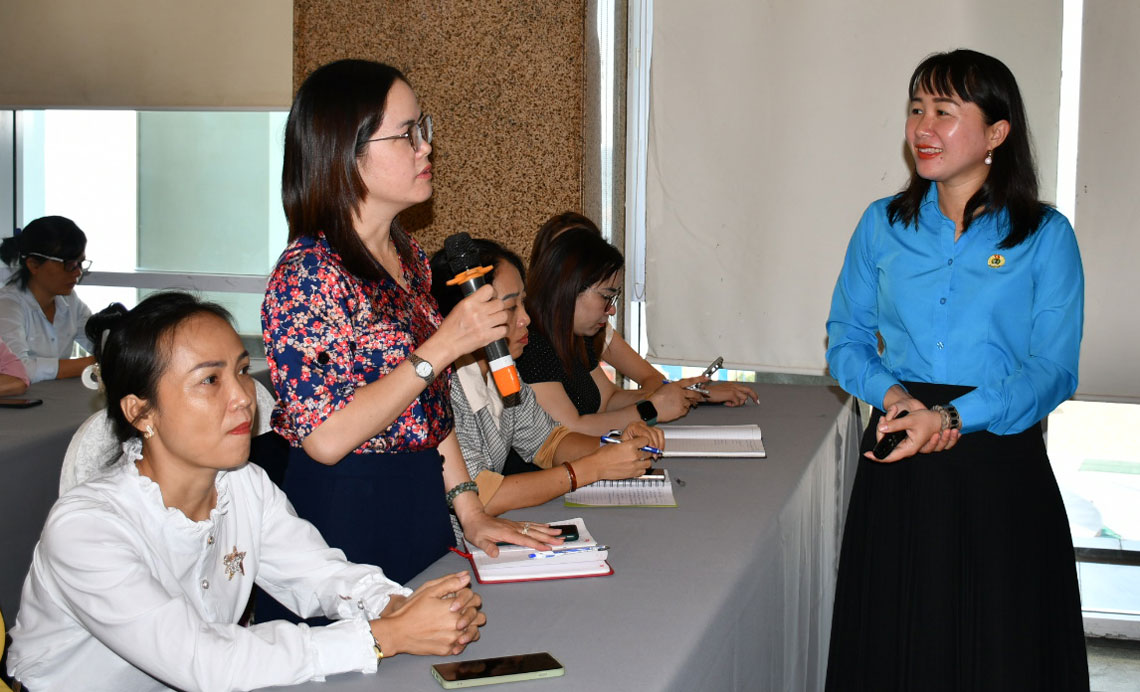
{"x": 463, "y": 258}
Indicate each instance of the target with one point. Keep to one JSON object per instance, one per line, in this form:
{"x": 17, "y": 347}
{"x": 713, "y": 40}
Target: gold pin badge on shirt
{"x": 234, "y": 563}
{"x": 996, "y": 261}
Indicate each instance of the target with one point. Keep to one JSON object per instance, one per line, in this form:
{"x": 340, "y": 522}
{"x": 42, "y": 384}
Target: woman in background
{"x": 141, "y": 575}
{"x": 40, "y": 317}
{"x": 573, "y": 288}
{"x": 616, "y": 351}
{"x": 492, "y": 431}
{"x": 357, "y": 349}
{"x": 957, "y": 568}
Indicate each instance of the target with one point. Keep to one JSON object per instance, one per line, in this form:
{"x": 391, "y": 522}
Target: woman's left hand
{"x": 655, "y": 435}
{"x": 484, "y": 531}
{"x": 730, "y": 393}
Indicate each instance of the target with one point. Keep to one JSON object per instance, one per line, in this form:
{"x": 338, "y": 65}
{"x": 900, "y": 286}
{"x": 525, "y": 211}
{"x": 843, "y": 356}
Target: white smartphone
{"x": 489, "y": 671}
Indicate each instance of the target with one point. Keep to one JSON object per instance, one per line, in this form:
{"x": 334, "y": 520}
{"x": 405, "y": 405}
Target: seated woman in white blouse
{"x": 140, "y": 576}
{"x": 492, "y": 432}
{"x": 41, "y": 318}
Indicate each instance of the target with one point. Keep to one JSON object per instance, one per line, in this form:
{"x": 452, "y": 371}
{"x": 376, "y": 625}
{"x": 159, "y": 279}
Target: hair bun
{"x": 103, "y": 323}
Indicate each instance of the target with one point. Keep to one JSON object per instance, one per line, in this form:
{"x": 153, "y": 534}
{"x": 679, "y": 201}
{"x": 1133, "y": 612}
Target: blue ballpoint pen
{"x": 610, "y": 440}
{"x": 556, "y": 553}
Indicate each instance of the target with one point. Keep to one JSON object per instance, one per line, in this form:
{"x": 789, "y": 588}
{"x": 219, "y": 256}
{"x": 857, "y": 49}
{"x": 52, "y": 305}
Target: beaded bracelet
{"x": 464, "y": 487}
{"x": 573, "y": 476}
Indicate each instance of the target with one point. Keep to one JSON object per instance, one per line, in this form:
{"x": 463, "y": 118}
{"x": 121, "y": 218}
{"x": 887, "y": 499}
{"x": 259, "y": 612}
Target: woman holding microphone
{"x": 976, "y": 289}
{"x": 357, "y": 350}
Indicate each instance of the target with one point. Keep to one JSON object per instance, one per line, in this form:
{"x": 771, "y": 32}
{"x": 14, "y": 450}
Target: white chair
{"x": 94, "y": 447}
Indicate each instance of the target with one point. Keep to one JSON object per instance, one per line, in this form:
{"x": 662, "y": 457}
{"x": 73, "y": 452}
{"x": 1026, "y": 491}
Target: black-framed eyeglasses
{"x": 83, "y": 264}
{"x": 611, "y": 295}
{"x": 417, "y": 134}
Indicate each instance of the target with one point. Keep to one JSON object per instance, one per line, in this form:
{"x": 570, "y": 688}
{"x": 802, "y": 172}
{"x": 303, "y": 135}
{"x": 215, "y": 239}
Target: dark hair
{"x": 136, "y": 347}
{"x": 571, "y": 262}
{"x": 1012, "y": 181}
{"x": 490, "y": 254}
{"x": 57, "y": 236}
{"x": 336, "y": 110}
{"x": 557, "y": 225}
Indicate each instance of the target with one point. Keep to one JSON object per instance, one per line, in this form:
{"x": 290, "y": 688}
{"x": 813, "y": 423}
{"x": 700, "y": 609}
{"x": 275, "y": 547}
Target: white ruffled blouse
{"x": 125, "y": 593}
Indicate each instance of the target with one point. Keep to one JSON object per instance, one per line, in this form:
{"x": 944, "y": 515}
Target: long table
{"x": 32, "y": 443}
{"x": 731, "y": 590}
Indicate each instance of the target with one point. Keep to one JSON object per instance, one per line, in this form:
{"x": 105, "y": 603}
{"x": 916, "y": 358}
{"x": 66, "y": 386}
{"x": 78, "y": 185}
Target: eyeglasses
{"x": 417, "y": 134}
{"x": 68, "y": 265}
{"x": 610, "y": 295}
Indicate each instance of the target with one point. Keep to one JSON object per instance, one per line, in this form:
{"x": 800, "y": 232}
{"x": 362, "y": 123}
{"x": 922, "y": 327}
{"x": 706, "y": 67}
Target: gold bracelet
{"x": 376, "y": 646}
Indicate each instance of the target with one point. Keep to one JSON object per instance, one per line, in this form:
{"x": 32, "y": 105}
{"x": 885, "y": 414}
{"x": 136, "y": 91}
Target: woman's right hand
{"x": 672, "y": 400}
{"x": 924, "y": 433}
{"x": 475, "y": 322}
{"x": 616, "y": 461}
{"x": 440, "y": 618}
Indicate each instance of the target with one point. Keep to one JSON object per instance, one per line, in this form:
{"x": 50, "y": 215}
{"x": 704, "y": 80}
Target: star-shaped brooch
{"x": 234, "y": 563}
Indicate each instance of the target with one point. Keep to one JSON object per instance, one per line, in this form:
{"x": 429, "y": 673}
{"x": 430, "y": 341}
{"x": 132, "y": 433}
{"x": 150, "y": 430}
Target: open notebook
{"x": 727, "y": 441}
{"x": 573, "y": 559}
{"x": 632, "y": 492}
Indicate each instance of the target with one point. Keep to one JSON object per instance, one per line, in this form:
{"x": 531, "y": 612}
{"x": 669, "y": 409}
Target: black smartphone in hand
{"x": 891, "y": 440}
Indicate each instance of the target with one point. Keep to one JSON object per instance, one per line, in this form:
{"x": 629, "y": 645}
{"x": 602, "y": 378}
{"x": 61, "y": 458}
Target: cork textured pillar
{"x": 503, "y": 82}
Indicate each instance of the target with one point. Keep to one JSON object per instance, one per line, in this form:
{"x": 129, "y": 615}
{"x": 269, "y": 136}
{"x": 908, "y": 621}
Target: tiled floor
{"x": 1114, "y": 665}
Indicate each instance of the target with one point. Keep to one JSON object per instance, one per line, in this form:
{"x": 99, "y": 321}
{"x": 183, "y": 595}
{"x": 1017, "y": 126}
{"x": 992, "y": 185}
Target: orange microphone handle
{"x": 506, "y": 376}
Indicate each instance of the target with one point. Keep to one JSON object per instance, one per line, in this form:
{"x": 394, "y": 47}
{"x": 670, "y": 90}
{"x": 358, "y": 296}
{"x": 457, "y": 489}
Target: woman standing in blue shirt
{"x": 977, "y": 292}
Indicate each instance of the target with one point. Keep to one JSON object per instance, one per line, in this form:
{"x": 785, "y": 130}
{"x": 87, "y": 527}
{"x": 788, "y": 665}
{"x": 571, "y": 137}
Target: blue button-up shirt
{"x": 1007, "y": 321}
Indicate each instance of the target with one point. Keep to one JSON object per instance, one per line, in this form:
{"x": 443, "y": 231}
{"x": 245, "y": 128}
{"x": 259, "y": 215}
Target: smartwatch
{"x": 424, "y": 370}
{"x": 647, "y": 411}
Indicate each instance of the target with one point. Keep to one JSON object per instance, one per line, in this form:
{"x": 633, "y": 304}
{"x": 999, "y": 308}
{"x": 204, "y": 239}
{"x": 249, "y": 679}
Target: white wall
{"x": 146, "y": 53}
{"x": 1108, "y": 204}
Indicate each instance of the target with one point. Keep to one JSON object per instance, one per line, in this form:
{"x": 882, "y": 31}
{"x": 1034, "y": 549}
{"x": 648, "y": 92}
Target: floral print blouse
{"x": 328, "y": 332}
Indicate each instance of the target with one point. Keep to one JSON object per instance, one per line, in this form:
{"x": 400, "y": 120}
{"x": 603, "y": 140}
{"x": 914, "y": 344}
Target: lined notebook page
{"x": 625, "y": 493}
{"x": 713, "y": 440}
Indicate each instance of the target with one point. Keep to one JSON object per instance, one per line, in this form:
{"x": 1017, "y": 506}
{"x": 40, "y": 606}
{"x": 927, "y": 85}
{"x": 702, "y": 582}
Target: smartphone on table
{"x": 20, "y": 403}
{"x": 489, "y": 671}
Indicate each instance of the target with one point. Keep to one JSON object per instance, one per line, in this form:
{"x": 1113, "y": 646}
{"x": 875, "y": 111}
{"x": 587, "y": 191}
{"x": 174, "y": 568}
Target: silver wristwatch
{"x": 423, "y": 368}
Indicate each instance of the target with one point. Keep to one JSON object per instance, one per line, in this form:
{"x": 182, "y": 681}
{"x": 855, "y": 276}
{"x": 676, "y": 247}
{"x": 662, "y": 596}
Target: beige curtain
{"x": 772, "y": 126}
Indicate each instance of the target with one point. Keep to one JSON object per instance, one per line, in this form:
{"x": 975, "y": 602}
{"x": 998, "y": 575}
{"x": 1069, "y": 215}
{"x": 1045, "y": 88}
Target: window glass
{"x": 159, "y": 191}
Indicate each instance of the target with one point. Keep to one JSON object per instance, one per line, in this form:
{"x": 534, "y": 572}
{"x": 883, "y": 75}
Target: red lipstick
{"x": 242, "y": 429}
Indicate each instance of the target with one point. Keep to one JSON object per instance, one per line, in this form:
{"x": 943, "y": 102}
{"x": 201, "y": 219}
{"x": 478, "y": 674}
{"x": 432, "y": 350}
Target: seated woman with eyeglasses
{"x": 494, "y": 432}
{"x": 615, "y": 350}
{"x": 572, "y": 289}
{"x": 141, "y": 575}
{"x": 40, "y": 316}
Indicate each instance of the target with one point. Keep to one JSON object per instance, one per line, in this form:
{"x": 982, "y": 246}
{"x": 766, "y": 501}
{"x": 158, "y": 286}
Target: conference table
{"x": 730, "y": 590}
{"x": 32, "y": 443}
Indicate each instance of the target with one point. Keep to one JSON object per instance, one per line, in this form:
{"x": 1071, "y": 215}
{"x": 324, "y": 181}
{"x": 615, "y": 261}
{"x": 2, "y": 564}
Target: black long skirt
{"x": 380, "y": 509}
{"x": 957, "y": 571}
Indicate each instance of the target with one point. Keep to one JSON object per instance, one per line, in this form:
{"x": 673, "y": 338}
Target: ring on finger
{"x": 525, "y": 530}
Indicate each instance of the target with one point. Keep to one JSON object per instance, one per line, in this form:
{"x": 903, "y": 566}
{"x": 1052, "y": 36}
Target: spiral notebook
{"x": 632, "y": 492}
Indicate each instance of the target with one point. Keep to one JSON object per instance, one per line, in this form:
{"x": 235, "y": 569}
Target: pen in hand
{"x": 614, "y": 440}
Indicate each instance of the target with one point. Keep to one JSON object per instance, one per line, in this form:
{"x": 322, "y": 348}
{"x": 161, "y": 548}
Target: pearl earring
{"x": 148, "y": 433}
{"x": 989, "y": 157}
